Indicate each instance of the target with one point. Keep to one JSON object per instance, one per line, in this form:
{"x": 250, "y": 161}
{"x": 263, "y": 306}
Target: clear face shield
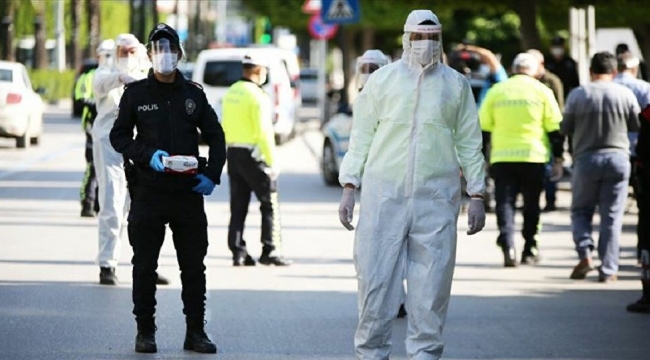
{"x": 164, "y": 56}
{"x": 364, "y": 69}
{"x": 424, "y": 43}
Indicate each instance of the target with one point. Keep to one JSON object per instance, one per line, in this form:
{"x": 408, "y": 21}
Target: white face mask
{"x": 127, "y": 64}
{"x": 164, "y": 63}
{"x": 557, "y": 51}
{"x": 425, "y": 52}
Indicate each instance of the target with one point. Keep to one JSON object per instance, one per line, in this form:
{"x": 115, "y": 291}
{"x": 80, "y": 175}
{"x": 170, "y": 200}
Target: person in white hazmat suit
{"x": 128, "y": 64}
{"x": 415, "y": 127}
{"x": 369, "y": 62}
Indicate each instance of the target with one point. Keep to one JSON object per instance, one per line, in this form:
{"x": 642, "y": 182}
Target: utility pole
{"x": 93, "y": 27}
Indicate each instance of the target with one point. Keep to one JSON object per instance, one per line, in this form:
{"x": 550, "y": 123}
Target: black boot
{"x": 87, "y": 210}
{"x": 530, "y": 255}
{"x": 107, "y": 276}
{"x": 161, "y": 280}
{"x": 267, "y": 259}
{"x": 196, "y": 339}
{"x": 145, "y": 341}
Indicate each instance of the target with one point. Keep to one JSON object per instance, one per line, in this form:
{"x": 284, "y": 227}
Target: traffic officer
{"x": 247, "y": 123}
{"x": 84, "y": 93}
{"x": 166, "y": 109}
{"x": 523, "y": 119}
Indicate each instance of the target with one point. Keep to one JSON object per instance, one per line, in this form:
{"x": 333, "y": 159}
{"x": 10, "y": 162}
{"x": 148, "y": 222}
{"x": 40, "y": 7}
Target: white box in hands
{"x": 180, "y": 164}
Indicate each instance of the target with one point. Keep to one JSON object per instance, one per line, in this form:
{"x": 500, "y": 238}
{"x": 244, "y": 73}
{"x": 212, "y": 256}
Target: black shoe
{"x": 274, "y": 260}
{"x": 509, "y": 257}
{"x": 196, "y": 339}
{"x": 642, "y": 306}
{"x": 161, "y": 280}
{"x": 530, "y": 257}
{"x": 107, "y": 276}
{"x": 87, "y": 211}
{"x": 401, "y": 313}
{"x": 549, "y": 208}
{"x": 145, "y": 341}
{"x": 243, "y": 261}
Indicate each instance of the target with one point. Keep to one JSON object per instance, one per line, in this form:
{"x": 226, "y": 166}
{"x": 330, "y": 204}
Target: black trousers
{"x": 247, "y": 176}
{"x": 151, "y": 210}
{"x": 89, "y": 187}
{"x": 642, "y": 174}
{"x": 509, "y": 180}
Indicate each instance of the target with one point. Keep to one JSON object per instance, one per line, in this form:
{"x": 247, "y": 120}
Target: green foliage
{"x": 57, "y": 85}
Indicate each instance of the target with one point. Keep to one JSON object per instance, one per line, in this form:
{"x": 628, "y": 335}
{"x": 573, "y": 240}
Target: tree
{"x": 7, "y": 30}
{"x": 93, "y": 26}
{"x": 40, "y": 56}
{"x": 77, "y": 49}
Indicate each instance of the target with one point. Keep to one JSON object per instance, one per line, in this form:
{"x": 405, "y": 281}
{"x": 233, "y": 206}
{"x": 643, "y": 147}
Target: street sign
{"x": 319, "y": 30}
{"x": 340, "y": 11}
{"x": 311, "y": 6}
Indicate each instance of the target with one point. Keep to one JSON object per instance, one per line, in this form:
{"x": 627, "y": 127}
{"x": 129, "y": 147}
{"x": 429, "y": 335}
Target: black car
{"x": 77, "y": 105}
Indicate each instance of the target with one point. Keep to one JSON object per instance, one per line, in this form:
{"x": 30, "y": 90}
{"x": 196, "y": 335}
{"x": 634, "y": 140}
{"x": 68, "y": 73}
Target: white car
{"x": 21, "y": 108}
{"x": 337, "y": 138}
{"x": 217, "y": 69}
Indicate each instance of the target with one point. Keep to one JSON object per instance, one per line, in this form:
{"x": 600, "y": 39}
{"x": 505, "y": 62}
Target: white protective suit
{"x": 412, "y": 125}
{"x": 114, "y": 200}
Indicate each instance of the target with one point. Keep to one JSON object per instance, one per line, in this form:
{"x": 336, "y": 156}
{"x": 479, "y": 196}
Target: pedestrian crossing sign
{"x": 340, "y": 11}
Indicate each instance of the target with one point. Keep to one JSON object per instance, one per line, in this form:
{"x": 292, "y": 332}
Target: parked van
{"x": 217, "y": 69}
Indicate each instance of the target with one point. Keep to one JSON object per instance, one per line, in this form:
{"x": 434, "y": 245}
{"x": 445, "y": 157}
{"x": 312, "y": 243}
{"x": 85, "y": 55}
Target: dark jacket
{"x": 643, "y": 142}
{"x": 167, "y": 117}
{"x": 567, "y": 70}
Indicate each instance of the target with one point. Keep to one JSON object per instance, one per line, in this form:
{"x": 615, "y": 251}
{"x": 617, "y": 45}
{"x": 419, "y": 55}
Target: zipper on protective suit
{"x": 413, "y": 136}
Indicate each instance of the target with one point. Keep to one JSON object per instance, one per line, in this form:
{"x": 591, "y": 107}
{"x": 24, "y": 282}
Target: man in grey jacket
{"x": 598, "y": 116}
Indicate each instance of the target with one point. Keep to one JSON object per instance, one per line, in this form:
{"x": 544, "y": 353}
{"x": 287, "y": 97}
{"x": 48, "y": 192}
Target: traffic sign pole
{"x": 322, "y": 93}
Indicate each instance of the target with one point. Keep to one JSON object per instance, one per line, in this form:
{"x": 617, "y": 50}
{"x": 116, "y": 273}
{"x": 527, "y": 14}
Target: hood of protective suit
{"x": 133, "y": 64}
{"x": 412, "y": 25}
{"x": 372, "y": 56}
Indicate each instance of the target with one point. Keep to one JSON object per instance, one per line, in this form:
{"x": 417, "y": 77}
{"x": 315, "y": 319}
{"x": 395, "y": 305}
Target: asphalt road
{"x": 51, "y": 306}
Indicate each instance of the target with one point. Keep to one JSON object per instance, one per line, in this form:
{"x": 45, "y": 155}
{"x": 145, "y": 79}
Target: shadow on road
{"x": 47, "y": 320}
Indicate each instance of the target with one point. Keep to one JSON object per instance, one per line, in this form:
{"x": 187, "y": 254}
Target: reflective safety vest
{"x": 247, "y": 120}
{"x": 519, "y": 113}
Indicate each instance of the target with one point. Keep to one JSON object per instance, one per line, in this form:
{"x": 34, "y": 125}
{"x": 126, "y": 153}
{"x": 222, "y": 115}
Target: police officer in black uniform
{"x": 166, "y": 109}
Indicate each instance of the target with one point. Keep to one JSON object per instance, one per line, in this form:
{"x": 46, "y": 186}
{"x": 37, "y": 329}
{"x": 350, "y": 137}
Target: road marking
{"x": 41, "y": 159}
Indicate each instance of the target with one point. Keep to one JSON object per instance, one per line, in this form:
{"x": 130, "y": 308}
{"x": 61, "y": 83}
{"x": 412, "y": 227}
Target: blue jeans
{"x": 599, "y": 179}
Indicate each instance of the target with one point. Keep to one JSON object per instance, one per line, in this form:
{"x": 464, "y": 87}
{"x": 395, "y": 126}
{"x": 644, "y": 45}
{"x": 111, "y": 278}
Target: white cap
{"x": 254, "y": 60}
{"x": 526, "y": 61}
{"x": 418, "y": 16}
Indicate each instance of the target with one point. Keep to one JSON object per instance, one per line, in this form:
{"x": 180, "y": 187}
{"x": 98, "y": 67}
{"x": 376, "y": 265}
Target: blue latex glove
{"x": 205, "y": 186}
{"x": 156, "y": 160}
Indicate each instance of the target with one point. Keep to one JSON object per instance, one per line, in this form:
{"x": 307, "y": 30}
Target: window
{"x": 308, "y": 76}
{"x": 6, "y": 75}
{"x": 28, "y": 83}
{"x": 222, "y": 73}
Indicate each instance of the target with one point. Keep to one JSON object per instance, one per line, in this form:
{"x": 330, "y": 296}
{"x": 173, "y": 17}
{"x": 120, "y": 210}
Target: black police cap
{"x": 163, "y": 30}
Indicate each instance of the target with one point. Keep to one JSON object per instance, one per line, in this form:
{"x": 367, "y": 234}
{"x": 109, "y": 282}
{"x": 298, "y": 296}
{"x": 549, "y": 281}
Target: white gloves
{"x": 475, "y": 216}
{"x": 272, "y": 172}
{"x": 126, "y": 79}
{"x": 346, "y": 208}
{"x": 557, "y": 171}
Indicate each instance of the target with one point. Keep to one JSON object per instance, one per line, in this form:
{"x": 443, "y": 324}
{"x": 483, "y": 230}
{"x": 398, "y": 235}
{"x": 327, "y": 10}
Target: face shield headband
{"x": 164, "y": 56}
